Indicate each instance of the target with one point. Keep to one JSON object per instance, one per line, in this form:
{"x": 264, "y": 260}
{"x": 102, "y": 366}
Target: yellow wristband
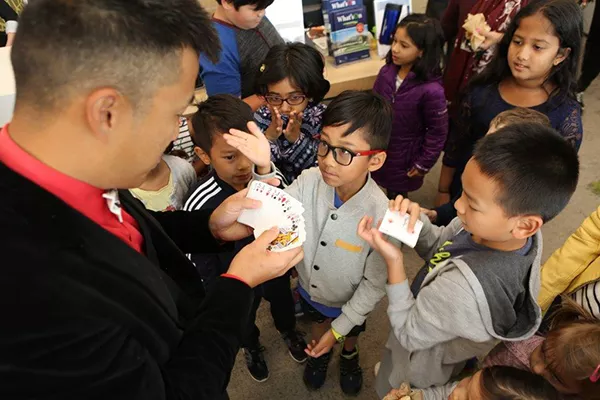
{"x": 339, "y": 338}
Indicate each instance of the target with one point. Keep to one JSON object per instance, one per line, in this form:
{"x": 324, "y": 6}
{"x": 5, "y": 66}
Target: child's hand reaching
{"x": 405, "y": 206}
{"x": 431, "y": 214}
{"x": 253, "y": 145}
{"x": 370, "y": 234}
{"x": 292, "y": 130}
{"x": 390, "y": 252}
{"x": 415, "y": 172}
{"x": 325, "y": 345}
{"x": 276, "y": 128}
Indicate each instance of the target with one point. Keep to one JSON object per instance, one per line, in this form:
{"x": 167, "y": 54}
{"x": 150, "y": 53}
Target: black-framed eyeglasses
{"x": 341, "y": 155}
{"x": 293, "y": 100}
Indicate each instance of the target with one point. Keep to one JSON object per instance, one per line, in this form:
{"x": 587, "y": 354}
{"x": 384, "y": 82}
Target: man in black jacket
{"x": 96, "y": 297}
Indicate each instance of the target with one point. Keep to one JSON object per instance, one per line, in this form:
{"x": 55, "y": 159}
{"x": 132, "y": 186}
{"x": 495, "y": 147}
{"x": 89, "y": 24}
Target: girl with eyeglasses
{"x": 292, "y": 84}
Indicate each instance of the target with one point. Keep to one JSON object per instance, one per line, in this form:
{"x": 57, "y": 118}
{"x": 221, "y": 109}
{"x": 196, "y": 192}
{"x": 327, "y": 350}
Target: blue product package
{"x": 349, "y": 35}
{"x": 391, "y": 16}
{"x": 329, "y": 6}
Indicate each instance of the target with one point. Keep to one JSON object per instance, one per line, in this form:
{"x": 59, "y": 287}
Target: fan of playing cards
{"x": 278, "y": 209}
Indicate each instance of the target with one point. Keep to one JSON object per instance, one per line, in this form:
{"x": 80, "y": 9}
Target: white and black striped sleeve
{"x": 202, "y": 195}
{"x": 588, "y": 297}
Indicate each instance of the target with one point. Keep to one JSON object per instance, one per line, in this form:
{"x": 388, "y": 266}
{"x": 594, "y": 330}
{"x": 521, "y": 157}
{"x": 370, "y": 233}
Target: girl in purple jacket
{"x": 412, "y": 81}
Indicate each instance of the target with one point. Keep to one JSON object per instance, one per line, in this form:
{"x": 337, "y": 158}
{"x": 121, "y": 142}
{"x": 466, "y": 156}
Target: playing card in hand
{"x": 278, "y": 209}
{"x": 396, "y": 225}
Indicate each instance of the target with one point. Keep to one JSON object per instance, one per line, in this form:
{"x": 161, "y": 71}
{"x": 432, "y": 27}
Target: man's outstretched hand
{"x": 223, "y": 222}
{"x": 254, "y": 264}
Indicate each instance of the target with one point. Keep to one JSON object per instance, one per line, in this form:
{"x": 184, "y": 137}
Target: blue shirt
{"x": 242, "y": 53}
{"x": 330, "y": 312}
{"x": 224, "y": 76}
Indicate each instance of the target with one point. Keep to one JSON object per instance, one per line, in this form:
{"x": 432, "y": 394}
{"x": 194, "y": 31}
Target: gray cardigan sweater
{"x": 339, "y": 269}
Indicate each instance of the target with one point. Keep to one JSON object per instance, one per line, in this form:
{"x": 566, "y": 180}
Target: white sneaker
{"x": 376, "y": 369}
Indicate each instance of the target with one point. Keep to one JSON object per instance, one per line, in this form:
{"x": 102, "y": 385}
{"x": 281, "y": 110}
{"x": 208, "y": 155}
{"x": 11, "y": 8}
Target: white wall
{"x": 7, "y": 86}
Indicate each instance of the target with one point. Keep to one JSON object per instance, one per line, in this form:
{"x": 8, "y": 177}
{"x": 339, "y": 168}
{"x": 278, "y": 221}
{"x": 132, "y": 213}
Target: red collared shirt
{"x": 81, "y": 196}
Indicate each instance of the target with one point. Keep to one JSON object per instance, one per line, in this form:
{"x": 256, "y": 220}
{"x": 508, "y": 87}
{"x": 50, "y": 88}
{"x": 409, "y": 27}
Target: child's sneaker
{"x": 256, "y": 364}
{"x": 351, "y": 378}
{"x": 296, "y": 345}
{"x": 316, "y": 371}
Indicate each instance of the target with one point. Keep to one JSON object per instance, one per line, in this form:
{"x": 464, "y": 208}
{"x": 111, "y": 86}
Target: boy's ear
{"x": 205, "y": 158}
{"x": 527, "y": 226}
{"x": 561, "y": 56}
{"x": 376, "y": 161}
{"x": 228, "y": 5}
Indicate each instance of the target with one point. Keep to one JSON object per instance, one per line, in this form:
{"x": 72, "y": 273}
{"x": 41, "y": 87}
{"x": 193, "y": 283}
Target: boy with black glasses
{"x": 341, "y": 278}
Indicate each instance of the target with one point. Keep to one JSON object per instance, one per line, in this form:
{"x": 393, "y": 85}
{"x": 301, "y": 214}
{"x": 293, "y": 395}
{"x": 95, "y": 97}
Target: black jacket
{"x": 85, "y": 316}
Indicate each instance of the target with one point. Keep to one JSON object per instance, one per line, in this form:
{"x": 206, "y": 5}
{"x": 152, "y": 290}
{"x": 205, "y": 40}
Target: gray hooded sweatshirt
{"x": 472, "y": 298}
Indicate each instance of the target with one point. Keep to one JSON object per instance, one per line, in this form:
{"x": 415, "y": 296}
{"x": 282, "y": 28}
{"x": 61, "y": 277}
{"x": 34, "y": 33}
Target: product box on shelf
{"x": 329, "y": 6}
{"x": 349, "y": 35}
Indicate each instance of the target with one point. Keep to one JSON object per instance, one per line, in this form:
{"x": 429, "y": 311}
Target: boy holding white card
{"x": 484, "y": 266}
{"x": 230, "y": 172}
{"x": 341, "y": 277}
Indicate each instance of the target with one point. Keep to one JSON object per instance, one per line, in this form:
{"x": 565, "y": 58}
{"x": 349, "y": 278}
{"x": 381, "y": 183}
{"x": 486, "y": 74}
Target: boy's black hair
{"x": 536, "y": 169}
{"x": 217, "y": 115}
{"x": 258, "y": 4}
{"x": 567, "y": 21}
{"x": 301, "y": 63}
{"x": 364, "y": 110}
{"x": 427, "y": 34}
{"x": 65, "y": 47}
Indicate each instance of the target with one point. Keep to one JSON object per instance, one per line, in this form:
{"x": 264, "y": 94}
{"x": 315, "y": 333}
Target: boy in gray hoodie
{"x": 483, "y": 268}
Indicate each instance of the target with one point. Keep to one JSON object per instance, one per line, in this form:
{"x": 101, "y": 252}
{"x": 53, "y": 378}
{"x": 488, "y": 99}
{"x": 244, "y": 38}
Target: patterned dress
{"x": 293, "y": 158}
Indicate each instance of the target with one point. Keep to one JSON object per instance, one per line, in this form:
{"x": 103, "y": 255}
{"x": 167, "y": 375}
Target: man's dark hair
{"x": 303, "y": 65}
{"x": 65, "y": 47}
{"x": 536, "y": 169}
{"x": 258, "y": 4}
{"x": 217, "y": 115}
{"x": 364, "y": 110}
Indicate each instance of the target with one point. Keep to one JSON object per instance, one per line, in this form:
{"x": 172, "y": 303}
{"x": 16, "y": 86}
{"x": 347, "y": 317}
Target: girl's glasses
{"x": 293, "y": 100}
{"x": 341, "y": 155}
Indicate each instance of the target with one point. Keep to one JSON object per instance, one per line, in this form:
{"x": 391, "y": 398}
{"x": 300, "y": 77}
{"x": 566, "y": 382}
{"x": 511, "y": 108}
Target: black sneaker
{"x": 296, "y": 345}
{"x": 316, "y": 371}
{"x": 256, "y": 363}
{"x": 351, "y": 378}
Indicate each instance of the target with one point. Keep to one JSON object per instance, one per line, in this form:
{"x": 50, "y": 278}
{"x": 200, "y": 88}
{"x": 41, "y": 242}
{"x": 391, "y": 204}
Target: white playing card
{"x": 396, "y": 225}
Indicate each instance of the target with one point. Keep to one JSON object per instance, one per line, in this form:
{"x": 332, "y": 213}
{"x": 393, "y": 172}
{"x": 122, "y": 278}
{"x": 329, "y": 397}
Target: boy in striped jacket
{"x": 231, "y": 171}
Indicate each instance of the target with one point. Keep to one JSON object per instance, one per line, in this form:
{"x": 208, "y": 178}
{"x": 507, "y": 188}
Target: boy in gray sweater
{"x": 483, "y": 268}
{"x": 341, "y": 277}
